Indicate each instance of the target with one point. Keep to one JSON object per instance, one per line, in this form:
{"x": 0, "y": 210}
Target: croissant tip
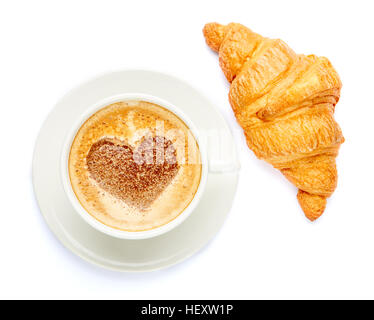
{"x": 312, "y": 205}
{"x": 214, "y": 34}
{"x": 312, "y": 217}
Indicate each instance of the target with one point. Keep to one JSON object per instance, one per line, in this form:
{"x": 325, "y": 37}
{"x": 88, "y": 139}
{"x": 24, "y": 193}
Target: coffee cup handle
{"x": 222, "y": 155}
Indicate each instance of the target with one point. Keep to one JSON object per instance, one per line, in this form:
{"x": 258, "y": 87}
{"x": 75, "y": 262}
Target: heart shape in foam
{"x": 136, "y": 177}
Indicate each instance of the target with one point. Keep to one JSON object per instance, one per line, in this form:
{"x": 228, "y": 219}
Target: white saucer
{"x": 94, "y": 246}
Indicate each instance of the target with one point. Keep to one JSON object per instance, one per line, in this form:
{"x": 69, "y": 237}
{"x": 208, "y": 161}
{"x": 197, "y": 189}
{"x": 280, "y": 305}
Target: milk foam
{"x": 130, "y": 122}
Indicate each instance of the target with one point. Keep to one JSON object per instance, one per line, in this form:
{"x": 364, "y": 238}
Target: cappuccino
{"x": 134, "y": 166}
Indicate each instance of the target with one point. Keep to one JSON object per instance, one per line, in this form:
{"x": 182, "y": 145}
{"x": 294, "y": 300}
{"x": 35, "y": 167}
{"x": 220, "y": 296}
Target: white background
{"x": 267, "y": 248}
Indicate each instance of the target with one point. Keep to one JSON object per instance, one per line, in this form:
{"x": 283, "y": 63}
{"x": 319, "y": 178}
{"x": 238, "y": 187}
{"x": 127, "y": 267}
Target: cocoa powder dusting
{"x": 136, "y": 177}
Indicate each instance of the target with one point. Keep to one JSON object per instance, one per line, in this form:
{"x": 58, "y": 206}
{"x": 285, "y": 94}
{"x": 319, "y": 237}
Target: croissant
{"x": 285, "y": 104}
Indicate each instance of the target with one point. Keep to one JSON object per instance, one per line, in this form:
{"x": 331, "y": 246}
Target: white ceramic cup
{"x": 133, "y": 235}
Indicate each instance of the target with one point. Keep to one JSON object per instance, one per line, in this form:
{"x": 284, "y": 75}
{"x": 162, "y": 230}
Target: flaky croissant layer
{"x": 285, "y": 104}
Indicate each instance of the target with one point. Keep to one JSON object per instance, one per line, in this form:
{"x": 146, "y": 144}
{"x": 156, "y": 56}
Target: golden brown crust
{"x": 312, "y": 205}
{"x": 285, "y": 104}
{"x": 214, "y": 33}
